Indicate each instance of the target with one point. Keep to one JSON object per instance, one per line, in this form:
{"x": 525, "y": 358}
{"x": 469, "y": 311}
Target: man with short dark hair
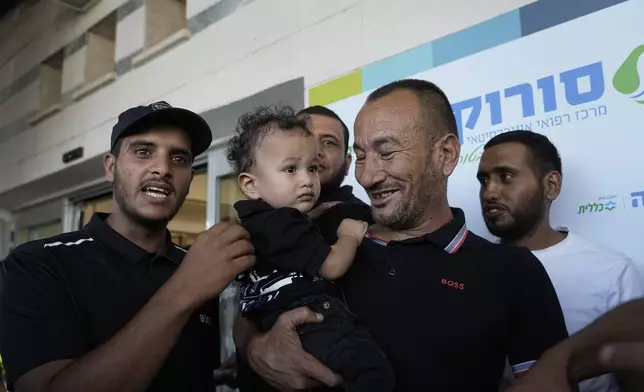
{"x": 116, "y": 306}
{"x": 333, "y": 137}
{"x": 521, "y": 175}
{"x": 446, "y": 306}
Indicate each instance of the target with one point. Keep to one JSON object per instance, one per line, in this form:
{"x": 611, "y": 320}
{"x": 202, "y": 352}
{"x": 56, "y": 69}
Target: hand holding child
{"x": 352, "y": 227}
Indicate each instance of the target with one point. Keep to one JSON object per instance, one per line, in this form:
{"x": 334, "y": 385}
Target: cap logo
{"x": 160, "y": 105}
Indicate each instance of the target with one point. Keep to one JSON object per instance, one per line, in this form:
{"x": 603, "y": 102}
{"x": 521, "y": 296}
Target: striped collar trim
{"x": 450, "y": 237}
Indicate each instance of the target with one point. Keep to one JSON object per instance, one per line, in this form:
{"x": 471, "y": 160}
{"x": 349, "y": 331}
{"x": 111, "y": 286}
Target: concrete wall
{"x": 234, "y": 49}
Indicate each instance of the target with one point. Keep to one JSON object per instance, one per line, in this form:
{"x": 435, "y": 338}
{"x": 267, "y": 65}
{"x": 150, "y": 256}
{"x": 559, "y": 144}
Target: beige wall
{"x": 261, "y": 44}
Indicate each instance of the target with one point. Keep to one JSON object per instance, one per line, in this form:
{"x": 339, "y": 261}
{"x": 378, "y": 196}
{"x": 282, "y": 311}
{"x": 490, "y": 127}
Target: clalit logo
{"x": 627, "y": 78}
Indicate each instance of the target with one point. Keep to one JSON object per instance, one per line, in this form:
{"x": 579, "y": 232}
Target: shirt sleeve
{"x": 39, "y": 321}
{"x": 330, "y": 219}
{"x": 537, "y": 322}
{"x": 289, "y": 240}
{"x": 626, "y": 283}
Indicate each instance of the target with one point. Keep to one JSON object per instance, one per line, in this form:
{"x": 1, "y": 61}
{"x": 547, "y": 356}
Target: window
{"x": 37, "y": 222}
{"x": 229, "y": 193}
{"x": 101, "y": 42}
{"x": 40, "y": 231}
{"x": 191, "y": 218}
{"x": 101, "y": 204}
{"x": 51, "y": 77}
{"x": 164, "y": 18}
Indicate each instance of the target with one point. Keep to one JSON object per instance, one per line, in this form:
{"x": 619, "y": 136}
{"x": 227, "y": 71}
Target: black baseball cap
{"x": 143, "y": 118}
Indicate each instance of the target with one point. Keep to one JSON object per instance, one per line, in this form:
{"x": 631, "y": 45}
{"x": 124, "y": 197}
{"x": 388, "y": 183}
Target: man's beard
{"x": 413, "y": 211}
{"x": 524, "y": 220}
{"x": 130, "y": 212}
{"x": 335, "y": 182}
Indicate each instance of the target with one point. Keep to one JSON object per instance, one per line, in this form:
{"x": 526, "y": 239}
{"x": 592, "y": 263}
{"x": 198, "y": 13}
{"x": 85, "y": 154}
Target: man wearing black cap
{"x": 116, "y": 306}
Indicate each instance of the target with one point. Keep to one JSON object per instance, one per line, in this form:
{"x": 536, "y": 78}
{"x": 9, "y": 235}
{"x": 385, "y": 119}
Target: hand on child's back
{"x": 354, "y": 228}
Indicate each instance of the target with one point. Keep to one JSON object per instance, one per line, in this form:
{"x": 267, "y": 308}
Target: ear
{"x": 248, "y": 184}
{"x": 552, "y": 183}
{"x": 348, "y": 161}
{"x": 109, "y": 164}
{"x": 449, "y": 151}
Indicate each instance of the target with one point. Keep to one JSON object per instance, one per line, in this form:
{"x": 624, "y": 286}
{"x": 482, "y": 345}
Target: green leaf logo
{"x": 627, "y": 78}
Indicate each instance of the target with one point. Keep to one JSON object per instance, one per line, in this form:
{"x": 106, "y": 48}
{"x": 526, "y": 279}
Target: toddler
{"x": 276, "y": 159}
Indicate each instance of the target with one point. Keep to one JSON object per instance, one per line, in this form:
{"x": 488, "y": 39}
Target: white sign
{"x": 576, "y": 83}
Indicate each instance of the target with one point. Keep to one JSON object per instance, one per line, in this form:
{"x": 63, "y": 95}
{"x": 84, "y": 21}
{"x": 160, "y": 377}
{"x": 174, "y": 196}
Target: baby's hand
{"x": 354, "y": 228}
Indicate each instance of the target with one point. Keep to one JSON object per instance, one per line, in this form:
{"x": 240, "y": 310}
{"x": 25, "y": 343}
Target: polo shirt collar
{"x": 101, "y": 231}
{"x": 450, "y": 237}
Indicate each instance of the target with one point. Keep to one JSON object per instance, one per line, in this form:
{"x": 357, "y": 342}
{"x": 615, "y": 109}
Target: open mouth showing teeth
{"x": 156, "y": 192}
{"x": 493, "y": 210}
{"x": 382, "y": 195}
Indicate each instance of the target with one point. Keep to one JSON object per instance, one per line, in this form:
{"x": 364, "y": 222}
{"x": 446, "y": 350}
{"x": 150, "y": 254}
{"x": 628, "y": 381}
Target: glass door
{"x": 223, "y": 192}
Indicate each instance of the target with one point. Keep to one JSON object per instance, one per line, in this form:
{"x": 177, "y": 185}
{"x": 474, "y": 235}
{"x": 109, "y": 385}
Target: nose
{"x": 161, "y": 166}
{"x": 321, "y": 149}
{"x": 370, "y": 172}
{"x": 308, "y": 179}
{"x": 490, "y": 191}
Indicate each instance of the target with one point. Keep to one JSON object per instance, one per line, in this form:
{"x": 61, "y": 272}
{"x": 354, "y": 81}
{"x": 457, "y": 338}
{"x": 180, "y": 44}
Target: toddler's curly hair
{"x": 251, "y": 129}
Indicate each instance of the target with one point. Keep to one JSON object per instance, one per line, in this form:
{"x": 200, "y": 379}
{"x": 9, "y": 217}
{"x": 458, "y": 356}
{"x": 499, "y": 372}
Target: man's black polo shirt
{"x": 64, "y": 296}
{"x": 447, "y": 308}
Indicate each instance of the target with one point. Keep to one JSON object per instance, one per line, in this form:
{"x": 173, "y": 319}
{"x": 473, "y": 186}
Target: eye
{"x": 141, "y": 152}
{"x": 290, "y": 169}
{"x": 180, "y": 160}
{"x": 359, "y": 154}
{"x": 482, "y": 180}
{"x": 506, "y": 177}
{"x": 313, "y": 169}
{"x": 386, "y": 155}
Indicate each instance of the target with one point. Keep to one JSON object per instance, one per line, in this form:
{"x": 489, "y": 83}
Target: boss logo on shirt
{"x": 453, "y": 284}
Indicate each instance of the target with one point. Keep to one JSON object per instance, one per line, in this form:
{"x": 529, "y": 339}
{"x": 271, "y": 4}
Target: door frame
{"x": 218, "y": 167}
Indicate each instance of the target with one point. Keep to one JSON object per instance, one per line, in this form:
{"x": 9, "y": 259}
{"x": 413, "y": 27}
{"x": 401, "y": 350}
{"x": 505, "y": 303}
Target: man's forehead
{"x": 506, "y": 154}
{"x": 388, "y": 112}
{"x": 325, "y": 125}
{"x": 380, "y": 129}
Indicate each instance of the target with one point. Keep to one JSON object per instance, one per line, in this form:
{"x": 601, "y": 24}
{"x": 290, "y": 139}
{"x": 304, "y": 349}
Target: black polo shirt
{"x": 64, "y": 296}
{"x": 449, "y": 307}
{"x": 349, "y": 207}
{"x": 290, "y": 251}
